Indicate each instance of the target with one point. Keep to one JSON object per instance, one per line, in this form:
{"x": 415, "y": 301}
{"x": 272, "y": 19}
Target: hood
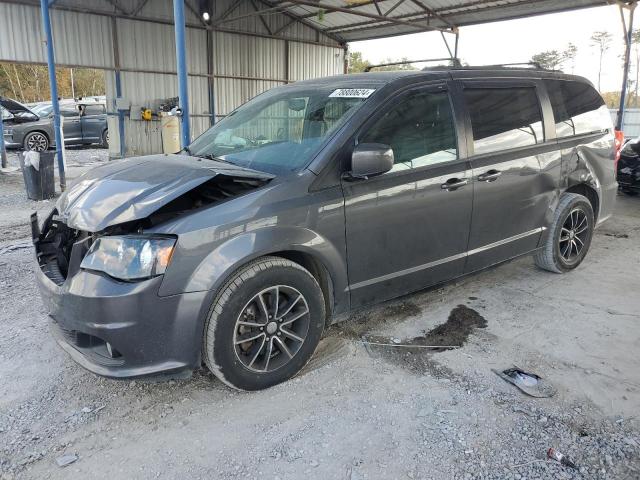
{"x": 19, "y": 111}
{"x": 134, "y": 188}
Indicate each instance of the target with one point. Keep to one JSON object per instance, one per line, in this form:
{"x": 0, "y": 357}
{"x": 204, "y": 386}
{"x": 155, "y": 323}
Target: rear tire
{"x": 105, "y": 139}
{"x": 36, "y": 141}
{"x": 569, "y": 236}
{"x": 277, "y": 308}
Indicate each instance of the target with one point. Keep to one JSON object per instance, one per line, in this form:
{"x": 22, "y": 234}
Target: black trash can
{"x": 40, "y": 183}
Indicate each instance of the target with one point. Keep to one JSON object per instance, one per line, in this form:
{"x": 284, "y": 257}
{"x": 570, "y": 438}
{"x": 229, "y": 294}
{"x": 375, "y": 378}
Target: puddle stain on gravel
{"x": 453, "y": 333}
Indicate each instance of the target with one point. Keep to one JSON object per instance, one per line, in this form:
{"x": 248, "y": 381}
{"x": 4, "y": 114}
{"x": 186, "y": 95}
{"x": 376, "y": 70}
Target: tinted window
{"x": 419, "y": 129}
{"x": 93, "y": 109}
{"x": 577, "y": 108}
{"x": 503, "y": 118}
{"x": 69, "y": 112}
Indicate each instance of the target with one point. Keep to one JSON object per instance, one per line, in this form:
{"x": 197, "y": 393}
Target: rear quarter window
{"x": 94, "y": 109}
{"x": 577, "y": 107}
{"x": 504, "y": 118}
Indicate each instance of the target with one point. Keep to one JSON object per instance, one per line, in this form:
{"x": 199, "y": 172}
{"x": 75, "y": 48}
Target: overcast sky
{"x": 517, "y": 41}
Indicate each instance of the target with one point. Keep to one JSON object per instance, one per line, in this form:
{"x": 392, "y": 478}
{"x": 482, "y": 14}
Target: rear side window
{"x": 504, "y": 118}
{"x": 420, "y": 130}
{"x": 577, "y": 107}
{"x": 93, "y": 109}
{"x": 69, "y": 112}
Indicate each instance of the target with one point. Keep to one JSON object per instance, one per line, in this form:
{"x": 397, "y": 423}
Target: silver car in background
{"x": 84, "y": 122}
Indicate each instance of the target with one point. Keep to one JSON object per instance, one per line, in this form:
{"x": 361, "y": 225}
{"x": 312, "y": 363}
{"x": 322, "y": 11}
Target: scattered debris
{"x": 553, "y": 454}
{"x": 66, "y": 460}
{"x": 92, "y": 410}
{"x": 616, "y": 235}
{"x": 407, "y": 345}
{"x": 447, "y": 336}
{"x": 15, "y": 246}
{"x": 529, "y": 383}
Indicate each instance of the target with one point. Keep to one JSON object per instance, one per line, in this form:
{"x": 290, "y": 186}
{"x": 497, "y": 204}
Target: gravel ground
{"x": 357, "y": 411}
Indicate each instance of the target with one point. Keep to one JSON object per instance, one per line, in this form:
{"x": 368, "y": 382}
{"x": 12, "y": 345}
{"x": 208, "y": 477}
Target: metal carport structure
{"x": 241, "y": 48}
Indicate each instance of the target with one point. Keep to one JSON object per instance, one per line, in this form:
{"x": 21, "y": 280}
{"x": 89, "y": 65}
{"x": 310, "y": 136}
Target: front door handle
{"x": 454, "y": 184}
{"x": 489, "y": 176}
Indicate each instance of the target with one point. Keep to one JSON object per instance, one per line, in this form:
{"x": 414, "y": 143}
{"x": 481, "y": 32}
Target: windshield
{"x": 280, "y": 131}
{"x": 42, "y": 110}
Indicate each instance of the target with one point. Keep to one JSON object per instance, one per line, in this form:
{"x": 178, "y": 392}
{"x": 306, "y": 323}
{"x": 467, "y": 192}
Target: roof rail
{"x": 518, "y": 64}
{"x": 455, "y": 61}
{"x": 531, "y": 65}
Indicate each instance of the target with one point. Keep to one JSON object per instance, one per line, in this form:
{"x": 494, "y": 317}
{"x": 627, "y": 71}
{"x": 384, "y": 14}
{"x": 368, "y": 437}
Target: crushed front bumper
{"x": 122, "y": 329}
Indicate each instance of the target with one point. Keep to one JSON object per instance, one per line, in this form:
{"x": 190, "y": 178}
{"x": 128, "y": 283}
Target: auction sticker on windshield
{"x": 352, "y": 93}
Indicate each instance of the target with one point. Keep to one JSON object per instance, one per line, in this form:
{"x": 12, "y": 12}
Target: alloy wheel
{"x": 573, "y": 235}
{"x": 271, "y": 328}
{"x": 37, "y": 142}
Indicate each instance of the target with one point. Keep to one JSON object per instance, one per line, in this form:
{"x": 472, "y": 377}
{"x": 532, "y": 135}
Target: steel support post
{"x": 116, "y": 62}
{"x": 210, "y": 78}
{"x": 51, "y": 65}
{"x": 627, "y": 60}
{"x": 3, "y": 151}
{"x": 181, "y": 58}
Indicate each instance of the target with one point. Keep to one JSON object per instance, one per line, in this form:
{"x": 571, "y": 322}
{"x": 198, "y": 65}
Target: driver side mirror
{"x": 371, "y": 159}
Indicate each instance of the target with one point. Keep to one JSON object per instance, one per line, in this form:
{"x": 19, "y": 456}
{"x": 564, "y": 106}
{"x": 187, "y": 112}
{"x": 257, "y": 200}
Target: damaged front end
{"x": 101, "y": 261}
{"x": 61, "y": 248}
{"x": 55, "y": 245}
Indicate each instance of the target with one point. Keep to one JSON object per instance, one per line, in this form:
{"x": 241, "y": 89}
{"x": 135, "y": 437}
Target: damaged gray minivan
{"x": 312, "y": 200}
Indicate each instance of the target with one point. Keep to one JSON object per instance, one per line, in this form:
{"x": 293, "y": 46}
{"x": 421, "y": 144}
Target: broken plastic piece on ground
{"x": 66, "y": 460}
{"x": 529, "y": 383}
{"x": 553, "y": 454}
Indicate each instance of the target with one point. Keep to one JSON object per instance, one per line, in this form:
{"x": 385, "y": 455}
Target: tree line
{"x": 28, "y": 83}
{"x": 601, "y": 44}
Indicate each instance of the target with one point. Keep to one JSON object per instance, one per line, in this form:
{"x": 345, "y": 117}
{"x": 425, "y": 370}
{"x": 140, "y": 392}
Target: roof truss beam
{"x": 379, "y": 18}
{"x": 272, "y": 9}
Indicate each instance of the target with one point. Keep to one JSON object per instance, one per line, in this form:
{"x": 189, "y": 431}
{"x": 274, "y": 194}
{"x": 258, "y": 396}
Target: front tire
{"x": 36, "y": 141}
{"x": 264, "y": 324}
{"x": 569, "y": 236}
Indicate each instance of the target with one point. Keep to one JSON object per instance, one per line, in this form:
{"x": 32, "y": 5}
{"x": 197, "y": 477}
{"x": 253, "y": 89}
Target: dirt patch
{"x": 412, "y": 355}
{"x": 451, "y": 334}
{"x": 455, "y": 331}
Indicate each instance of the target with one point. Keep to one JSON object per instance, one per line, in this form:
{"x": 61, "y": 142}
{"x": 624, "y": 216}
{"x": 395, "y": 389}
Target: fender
{"x": 227, "y": 257}
{"x": 581, "y": 172}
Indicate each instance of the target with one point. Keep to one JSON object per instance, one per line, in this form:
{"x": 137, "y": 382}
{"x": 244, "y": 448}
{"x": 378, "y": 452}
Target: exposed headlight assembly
{"x": 130, "y": 257}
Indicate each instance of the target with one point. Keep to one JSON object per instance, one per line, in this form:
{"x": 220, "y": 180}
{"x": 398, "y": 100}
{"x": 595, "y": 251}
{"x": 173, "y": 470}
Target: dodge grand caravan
{"x": 312, "y": 200}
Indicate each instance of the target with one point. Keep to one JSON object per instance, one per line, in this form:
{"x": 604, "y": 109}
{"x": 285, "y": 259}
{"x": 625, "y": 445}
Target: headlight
{"x": 130, "y": 257}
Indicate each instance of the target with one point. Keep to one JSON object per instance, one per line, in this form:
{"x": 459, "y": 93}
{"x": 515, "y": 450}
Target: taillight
{"x": 618, "y": 142}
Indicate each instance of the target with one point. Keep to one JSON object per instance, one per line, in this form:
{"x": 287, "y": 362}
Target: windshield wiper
{"x": 211, "y": 156}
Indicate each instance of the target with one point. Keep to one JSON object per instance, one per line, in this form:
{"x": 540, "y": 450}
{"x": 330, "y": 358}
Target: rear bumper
{"x": 150, "y": 334}
{"x": 10, "y": 143}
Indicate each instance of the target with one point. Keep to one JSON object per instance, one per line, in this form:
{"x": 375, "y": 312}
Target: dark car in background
{"x": 315, "y": 199}
{"x": 629, "y": 167}
{"x": 83, "y": 123}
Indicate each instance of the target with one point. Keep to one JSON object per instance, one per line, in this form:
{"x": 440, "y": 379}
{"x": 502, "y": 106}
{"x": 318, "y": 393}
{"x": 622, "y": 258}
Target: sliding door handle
{"x": 454, "y": 184}
{"x": 489, "y": 176}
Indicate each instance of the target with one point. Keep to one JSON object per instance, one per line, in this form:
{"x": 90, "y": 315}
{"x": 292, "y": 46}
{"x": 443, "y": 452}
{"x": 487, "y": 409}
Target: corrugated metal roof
{"x": 330, "y": 21}
{"x": 367, "y": 19}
